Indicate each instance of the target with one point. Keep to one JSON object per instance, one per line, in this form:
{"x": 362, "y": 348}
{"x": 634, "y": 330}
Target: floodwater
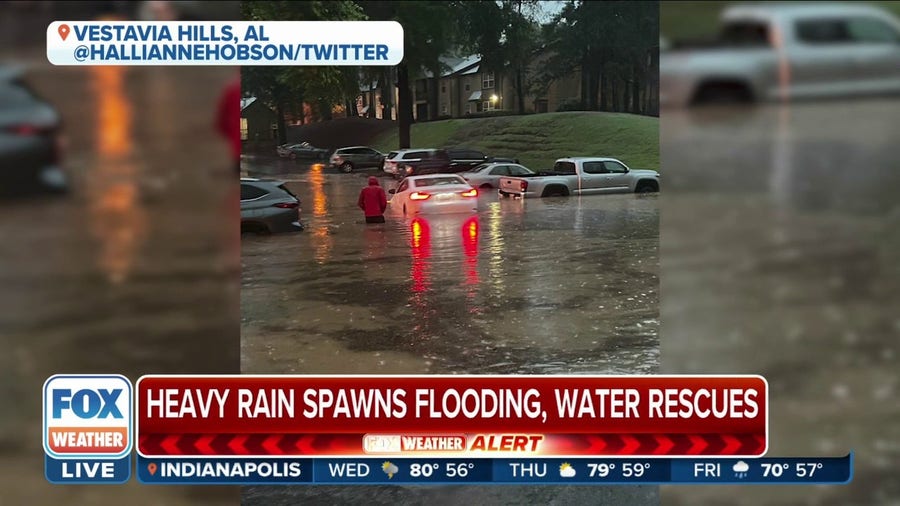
{"x": 134, "y": 272}
{"x": 779, "y": 244}
{"x": 547, "y": 286}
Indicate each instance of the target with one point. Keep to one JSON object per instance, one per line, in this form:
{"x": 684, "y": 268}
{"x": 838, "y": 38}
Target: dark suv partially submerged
{"x": 30, "y": 142}
{"x": 413, "y": 162}
{"x": 355, "y": 158}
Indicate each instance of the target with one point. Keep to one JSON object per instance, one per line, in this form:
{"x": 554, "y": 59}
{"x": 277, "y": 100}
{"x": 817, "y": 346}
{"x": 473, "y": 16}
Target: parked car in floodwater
{"x": 30, "y": 139}
{"x": 791, "y": 50}
{"x": 581, "y": 176}
{"x": 356, "y": 157}
{"x": 434, "y": 193}
{"x": 487, "y": 175}
{"x": 301, "y": 151}
{"x": 268, "y": 207}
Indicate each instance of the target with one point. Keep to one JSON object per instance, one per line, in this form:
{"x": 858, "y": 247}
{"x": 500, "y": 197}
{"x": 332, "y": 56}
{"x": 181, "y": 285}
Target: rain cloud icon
{"x": 740, "y": 469}
{"x": 390, "y": 469}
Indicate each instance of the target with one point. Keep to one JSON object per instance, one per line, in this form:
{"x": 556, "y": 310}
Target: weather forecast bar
{"x": 581, "y": 471}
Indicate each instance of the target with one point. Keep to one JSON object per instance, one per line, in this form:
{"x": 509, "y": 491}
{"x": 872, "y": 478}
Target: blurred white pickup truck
{"x": 786, "y": 51}
{"x": 581, "y": 176}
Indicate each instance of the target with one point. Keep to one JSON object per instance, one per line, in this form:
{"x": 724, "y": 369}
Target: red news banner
{"x": 342, "y": 416}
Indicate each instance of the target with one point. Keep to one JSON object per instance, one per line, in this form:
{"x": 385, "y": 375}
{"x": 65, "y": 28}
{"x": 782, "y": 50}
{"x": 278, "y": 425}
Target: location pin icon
{"x": 63, "y": 31}
{"x": 152, "y": 468}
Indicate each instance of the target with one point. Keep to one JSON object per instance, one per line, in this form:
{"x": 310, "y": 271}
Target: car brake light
{"x": 470, "y": 193}
{"x": 524, "y": 185}
{"x": 419, "y": 196}
{"x": 27, "y": 130}
{"x": 287, "y": 205}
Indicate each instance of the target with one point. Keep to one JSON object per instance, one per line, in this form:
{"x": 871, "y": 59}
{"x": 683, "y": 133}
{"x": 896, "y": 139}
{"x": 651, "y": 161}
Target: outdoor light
{"x": 494, "y": 98}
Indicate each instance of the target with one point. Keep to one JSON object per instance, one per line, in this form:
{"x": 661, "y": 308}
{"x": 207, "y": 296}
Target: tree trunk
{"x": 520, "y": 91}
{"x": 325, "y": 110}
{"x": 301, "y": 112}
{"x": 282, "y": 124}
{"x": 404, "y": 106}
{"x": 594, "y": 92}
{"x": 636, "y": 89}
{"x": 604, "y": 87}
{"x": 387, "y": 94}
{"x": 653, "y": 72}
{"x": 352, "y": 111}
{"x": 615, "y": 95}
{"x": 585, "y": 81}
{"x": 434, "y": 90}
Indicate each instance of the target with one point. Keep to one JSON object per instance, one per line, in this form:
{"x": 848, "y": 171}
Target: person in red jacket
{"x": 228, "y": 120}
{"x": 373, "y": 201}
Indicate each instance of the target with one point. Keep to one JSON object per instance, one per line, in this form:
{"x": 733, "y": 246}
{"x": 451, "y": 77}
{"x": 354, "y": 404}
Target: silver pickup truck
{"x": 581, "y": 176}
{"x": 783, "y": 51}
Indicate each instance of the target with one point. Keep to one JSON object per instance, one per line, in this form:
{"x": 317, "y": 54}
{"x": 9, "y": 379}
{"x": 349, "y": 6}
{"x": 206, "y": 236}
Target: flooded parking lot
{"x": 545, "y": 286}
{"x": 779, "y": 240}
{"x": 555, "y": 286}
{"x": 134, "y": 272}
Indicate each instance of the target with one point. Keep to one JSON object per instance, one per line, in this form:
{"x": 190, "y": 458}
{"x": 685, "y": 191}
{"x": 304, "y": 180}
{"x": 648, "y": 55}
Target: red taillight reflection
{"x": 420, "y": 239}
{"x": 28, "y": 130}
{"x": 471, "y": 193}
{"x": 470, "y": 236}
{"x": 287, "y": 205}
{"x": 420, "y": 196}
{"x": 470, "y": 246}
{"x": 524, "y": 185}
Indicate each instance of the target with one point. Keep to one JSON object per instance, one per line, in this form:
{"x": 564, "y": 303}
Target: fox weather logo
{"x": 87, "y": 416}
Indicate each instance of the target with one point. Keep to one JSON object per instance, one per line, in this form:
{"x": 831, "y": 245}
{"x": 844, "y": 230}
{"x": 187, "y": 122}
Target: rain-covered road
{"x": 134, "y": 272}
{"x": 558, "y": 286}
{"x": 779, "y": 244}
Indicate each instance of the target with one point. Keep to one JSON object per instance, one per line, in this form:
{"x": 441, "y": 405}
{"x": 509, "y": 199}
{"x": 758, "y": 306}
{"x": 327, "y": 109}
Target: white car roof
{"x": 407, "y": 150}
{"x": 588, "y": 159}
{"x": 799, "y": 9}
{"x": 430, "y": 176}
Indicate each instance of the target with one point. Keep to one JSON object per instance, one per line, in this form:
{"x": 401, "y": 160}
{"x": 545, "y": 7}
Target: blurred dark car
{"x": 410, "y": 162}
{"x": 268, "y": 207}
{"x": 464, "y": 159}
{"x": 306, "y": 151}
{"x": 30, "y": 140}
{"x": 356, "y": 157}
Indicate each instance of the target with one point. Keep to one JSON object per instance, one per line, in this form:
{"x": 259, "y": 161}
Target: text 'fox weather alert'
{"x": 88, "y": 433}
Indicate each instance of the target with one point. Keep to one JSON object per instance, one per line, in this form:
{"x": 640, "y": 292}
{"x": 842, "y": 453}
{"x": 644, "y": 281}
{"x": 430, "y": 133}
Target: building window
{"x": 488, "y": 105}
{"x": 469, "y": 108}
{"x": 487, "y": 81}
{"x": 443, "y": 88}
{"x": 245, "y": 130}
{"x": 444, "y": 109}
{"x": 467, "y": 87}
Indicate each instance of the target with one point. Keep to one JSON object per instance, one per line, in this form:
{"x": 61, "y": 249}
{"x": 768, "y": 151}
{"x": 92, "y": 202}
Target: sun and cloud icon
{"x": 740, "y": 469}
{"x": 566, "y": 470}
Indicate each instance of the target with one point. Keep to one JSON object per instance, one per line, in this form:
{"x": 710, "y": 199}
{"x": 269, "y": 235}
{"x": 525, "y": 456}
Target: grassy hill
{"x": 537, "y": 140}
